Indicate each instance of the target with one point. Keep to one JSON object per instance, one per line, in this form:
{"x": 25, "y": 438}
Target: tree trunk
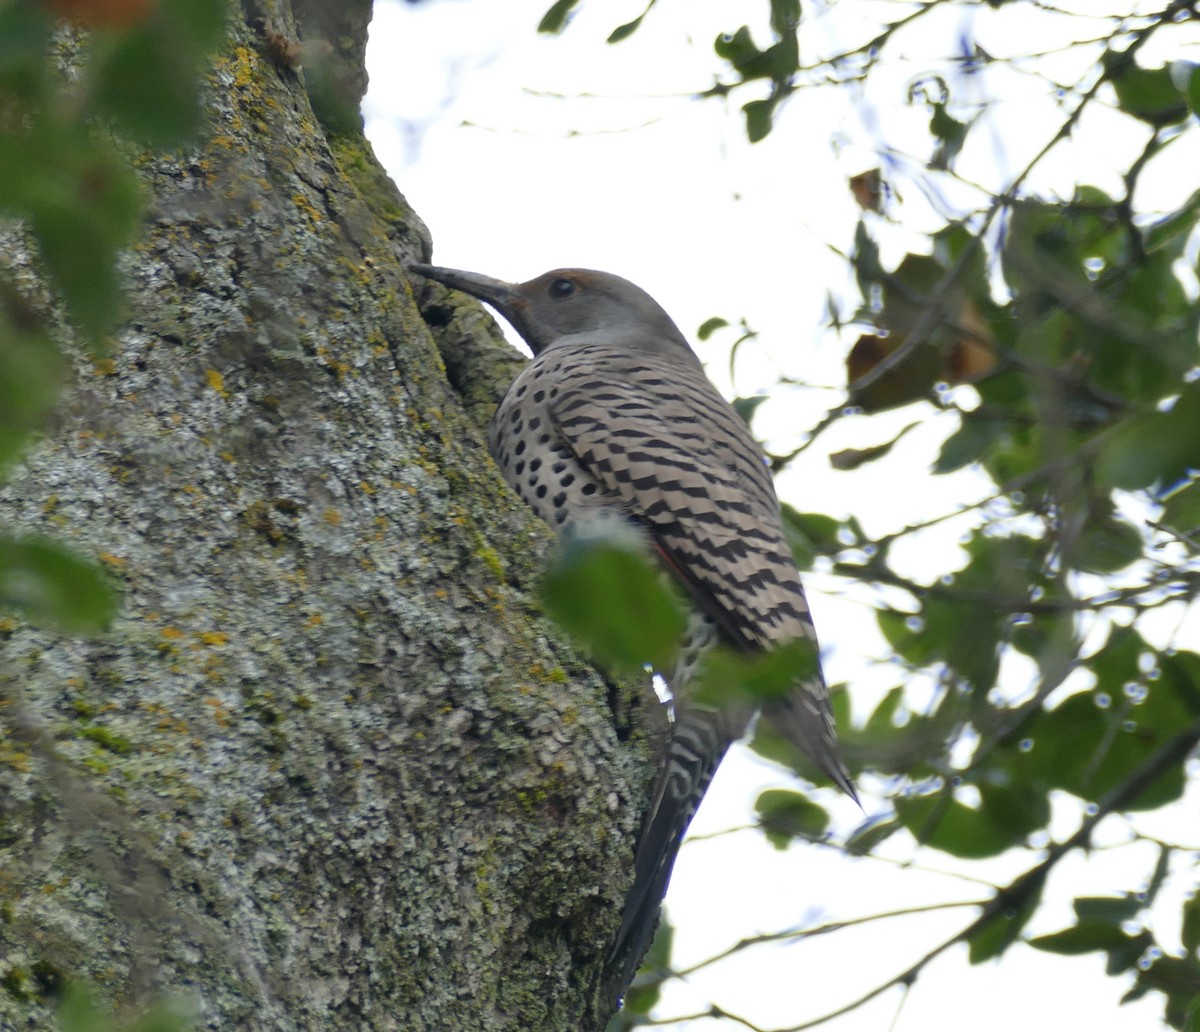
{"x": 330, "y": 769}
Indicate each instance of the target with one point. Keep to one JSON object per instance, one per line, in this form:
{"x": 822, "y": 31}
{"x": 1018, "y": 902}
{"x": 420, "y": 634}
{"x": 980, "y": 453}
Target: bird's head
{"x": 572, "y": 304}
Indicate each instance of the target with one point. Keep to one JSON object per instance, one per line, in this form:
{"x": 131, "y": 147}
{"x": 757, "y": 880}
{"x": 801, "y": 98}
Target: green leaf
{"x": 809, "y": 534}
{"x": 83, "y": 204}
{"x": 1181, "y": 509}
{"x": 79, "y": 1012}
{"x": 746, "y": 407}
{"x": 759, "y": 115}
{"x": 725, "y": 676}
{"x": 905, "y": 633}
{"x": 1001, "y": 930}
{"x": 555, "y": 19}
{"x": 1157, "y": 448}
{"x": 144, "y": 87}
{"x": 785, "y": 16}
{"x": 969, "y": 443}
{"x": 1004, "y": 818}
{"x": 1110, "y": 909}
{"x": 853, "y": 458}
{"x": 24, "y": 40}
{"x": 628, "y": 29}
{"x": 30, "y": 371}
{"x": 738, "y": 49}
{"x": 52, "y": 586}
{"x": 1085, "y": 937}
{"x": 1093, "y": 741}
{"x": 1190, "y": 933}
{"x": 785, "y": 815}
{"x": 604, "y": 591}
{"x": 1190, "y": 85}
{"x": 1173, "y": 231}
{"x": 881, "y": 724}
{"x": 871, "y": 833}
{"x": 710, "y": 326}
{"x": 1146, "y": 93}
{"x": 197, "y": 25}
{"x": 950, "y": 133}
{"x": 1105, "y": 544}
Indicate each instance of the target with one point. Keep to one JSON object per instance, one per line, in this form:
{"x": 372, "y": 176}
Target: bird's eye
{"x": 561, "y": 288}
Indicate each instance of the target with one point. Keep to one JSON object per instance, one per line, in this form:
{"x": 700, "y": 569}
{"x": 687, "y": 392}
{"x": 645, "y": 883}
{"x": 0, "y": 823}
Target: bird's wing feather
{"x": 683, "y": 464}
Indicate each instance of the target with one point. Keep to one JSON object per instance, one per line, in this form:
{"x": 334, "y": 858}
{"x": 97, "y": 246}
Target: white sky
{"x": 524, "y": 153}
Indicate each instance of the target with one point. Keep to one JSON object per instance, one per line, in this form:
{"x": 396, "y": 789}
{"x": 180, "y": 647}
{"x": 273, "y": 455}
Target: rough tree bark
{"x": 330, "y": 769}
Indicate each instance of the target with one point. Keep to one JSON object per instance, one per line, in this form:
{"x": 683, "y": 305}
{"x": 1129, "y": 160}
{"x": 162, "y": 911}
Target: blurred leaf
{"x": 969, "y": 443}
{"x": 786, "y": 815}
{"x": 555, "y": 19}
{"x": 1085, "y": 937}
{"x": 881, "y": 724}
{"x": 140, "y": 70}
{"x": 1106, "y": 543}
{"x": 148, "y": 80}
{"x": 1181, "y": 509}
{"x": 950, "y": 134}
{"x": 1173, "y": 975}
{"x": 759, "y": 116}
{"x": 905, "y": 633}
{"x": 1111, "y": 909}
{"x": 725, "y": 677}
{"x": 83, "y": 204}
{"x": 710, "y": 326}
{"x": 808, "y": 534}
{"x": 1145, "y": 93}
{"x": 1093, "y": 741}
{"x": 853, "y": 458}
{"x": 198, "y": 26}
{"x": 79, "y": 1012}
{"x": 1156, "y": 448}
{"x": 911, "y": 379}
{"x": 738, "y": 49}
{"x": 871, "y": 833}
{"x": 30, "y": 371}
{"x": 609, "y": 597}
{"x": 1190, "y": 933}
{"x": 1172, "y": 231}
{"x": 1001, "y": 930}
{"x": 52, "y": 586}
{"x": 24, "y": 39}
{"x": 628, "y": 29}
{"x": 869, "y": 190}
{"x": 1003, "y": 820}
{"x": 785, "y": 16}
{"x": 746, "y": 407}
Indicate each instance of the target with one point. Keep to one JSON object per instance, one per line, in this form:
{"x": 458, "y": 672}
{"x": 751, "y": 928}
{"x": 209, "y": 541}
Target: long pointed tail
{"x": 698, "y": 742}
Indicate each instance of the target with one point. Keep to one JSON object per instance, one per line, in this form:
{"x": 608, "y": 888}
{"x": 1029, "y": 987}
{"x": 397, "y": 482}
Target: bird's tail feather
{"x": 696, "y": 747}
{"x": 802, "y": 718}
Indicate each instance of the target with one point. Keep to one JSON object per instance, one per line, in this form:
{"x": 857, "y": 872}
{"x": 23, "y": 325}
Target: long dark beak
{"x": 493, "y": 291}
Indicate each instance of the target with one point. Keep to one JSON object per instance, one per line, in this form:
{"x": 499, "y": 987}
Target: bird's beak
{"x": 495, "y": 292}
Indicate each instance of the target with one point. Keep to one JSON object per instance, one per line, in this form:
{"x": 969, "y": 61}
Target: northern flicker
{"x": 614, "y": 417}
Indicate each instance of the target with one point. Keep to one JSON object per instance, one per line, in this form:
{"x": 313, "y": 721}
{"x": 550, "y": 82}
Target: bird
{"x": 615, "y": 418}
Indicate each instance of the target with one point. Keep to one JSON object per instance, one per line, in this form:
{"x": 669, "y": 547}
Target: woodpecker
{"x": 615, "y": 418}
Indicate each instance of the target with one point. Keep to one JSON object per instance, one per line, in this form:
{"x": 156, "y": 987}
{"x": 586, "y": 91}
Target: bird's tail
{"x": 803, "y": 717}
{"x": 698, "y": 742}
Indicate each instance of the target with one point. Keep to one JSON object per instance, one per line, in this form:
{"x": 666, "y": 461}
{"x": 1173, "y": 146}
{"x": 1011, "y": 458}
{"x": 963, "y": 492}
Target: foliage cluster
{"x": 1064, "y": 335}
{"x": 77, "y": 196}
